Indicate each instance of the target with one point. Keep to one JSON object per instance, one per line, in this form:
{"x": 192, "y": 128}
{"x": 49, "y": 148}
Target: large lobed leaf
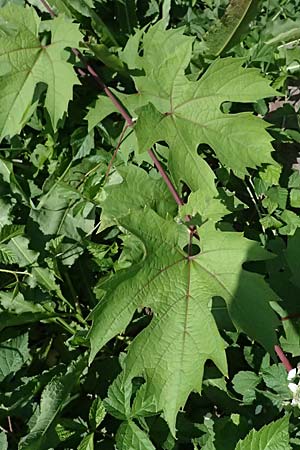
{"x": 26, "y": 61}
{"x": 171, "y": 352}
{"x": 187, "y": 113}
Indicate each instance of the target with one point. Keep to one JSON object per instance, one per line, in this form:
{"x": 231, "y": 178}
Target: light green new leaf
{"x": 18, "y": 305}
{"x": 87, "y": 442}
{"x": 292, "y": 221}
{"x": 53, "y": 399}
{"x": 245, "y": 382}
{"x": 171, "y": 352}
{"x": 82, "y": 143}
{"x": 22, "y": 254}
{"x": 295, "y": 198}
{"x": 130, "y": 54}
{"x": 25, "y": 61}
{"x": 6, "y": 255}
{"x": 227, "y": 32}
{"x": 97, "y": 413}
{"x": 46, "y": 279}
{"x": 274, "y": 436}
{"x": 102, "y": 108}
{"x": 3, "y": 441}
{"x": 9, "y": 231}
{"x": 13, "y": 355}
{"x": 7, "y": 173}
{"x": 107, "y": 57}
{"x": 118, "y": 401}
{"x": 130, "y": 436}
{"x": 186, "y": 113}
{"x": 275, "y": 378}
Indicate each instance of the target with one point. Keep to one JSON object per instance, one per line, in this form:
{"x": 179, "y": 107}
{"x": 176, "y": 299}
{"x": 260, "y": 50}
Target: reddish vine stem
{"x": 81, "y": 72}
{"x": 48, "y": 8}
{"x": 283, "y": 358}
{"x": 130, "y": 122}
{"x": 103, "y": 86}
{"x": 10, "y": 427}
{"x": 166, "y": 179}
{"x": 292, "y": 316}
{"x": 115, "y": 152}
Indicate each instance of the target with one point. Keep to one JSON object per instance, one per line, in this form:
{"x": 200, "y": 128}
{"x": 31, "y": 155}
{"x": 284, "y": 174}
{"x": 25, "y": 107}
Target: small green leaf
{"x": 209, "y": 208}
{"x": 18, "y": 305}
{"x": 270, "y": 222}
{"x": 82, "y": 142}
{"x": 6, "y": 255}
{"x": 270, "y": 175}
{"x": 97, "y": 413}
{"x": 14, "y": 353}
{"x": 118, "y": 401}
{"x": 10, "y": 231}
{"x": 295, "y": 198}
{"x": 3, "y": 441}
{"x": 274, "y": 436}
{"x": 292, "y": 221}
{"x": 130, "y": 436}
{"x": 245, "y": 383}
{"x": 87, "y": 442}
{"x": 10, "y": 319}
{"x": 276, "y": 198}
{"x": 62, "y": 433}
{"x": 290, "y": 342}
{"x": 109, "y": 59}
{"x": 45, "y": 278}
{"x": 276, "y": 379}
{"x": 40, "y": 155}
{"x": 22, "y": 254}
{"x": 102, "y": 108}
{"x": 294, "y": 180}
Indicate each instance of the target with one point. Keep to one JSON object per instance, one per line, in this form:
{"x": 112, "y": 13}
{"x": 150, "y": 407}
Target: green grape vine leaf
{"x": 187, "y": 113}
{"x": 26, "y": 61}
{"x": 170, "y": 353}
{"x": 274, "y": 436}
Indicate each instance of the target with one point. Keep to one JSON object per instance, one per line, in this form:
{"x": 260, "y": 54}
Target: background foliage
{"x": 133, "y": 316}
